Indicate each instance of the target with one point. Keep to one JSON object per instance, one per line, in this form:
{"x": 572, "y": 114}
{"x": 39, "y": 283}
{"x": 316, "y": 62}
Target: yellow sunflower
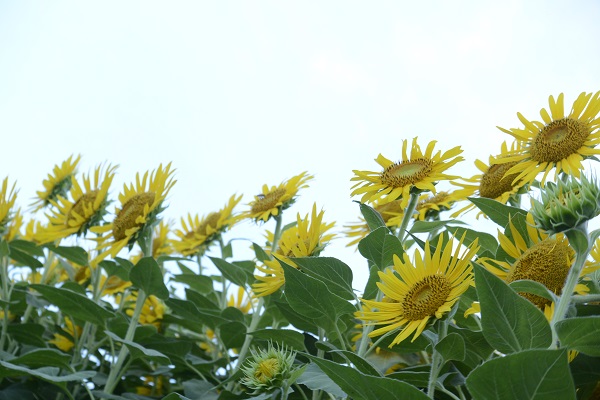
{"x": 241, "y": 301}
{"x": 140, "y": 205}
{"x": 113, "y": 285}
{"x": 559, "y": 142}
{"x": 493, "y": 182}
{"x": 537, "y": 257}
{"x": 429, "y": 207}
{"x": 7, "y": 202}
{"x": 415, "y": 292}
{"x": 57, "y": 183}
{"x": 199, "y": 233}
{"x": 13, "y": 230}
{"x": 153, "y": 309}
{"x": 306, "y": 239}
{"x": 88, "y": 207}
{"x": 276, "y": 198}
{"x": 417, "y": 170}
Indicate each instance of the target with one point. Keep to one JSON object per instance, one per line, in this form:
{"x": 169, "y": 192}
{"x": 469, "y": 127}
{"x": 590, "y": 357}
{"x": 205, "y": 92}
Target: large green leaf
{"x": 371, "y": 288}
{"x": 232, "y": 272}
{"x": 510, "y": 323}
{"x": 315, "y": 379}
{"x": 312, "y": 299}
{"x": 496, "y": 211}
{"x": 146, "y": 275}
{"x": 487, "y": 243}
{"x": 380, "y": 246}
{"x": 200, "y": 283}
{"x": 431, "y": 226}
{"x": 331, "y": 271}
{"x": 533, "y": 287}
{"x": 528, "y": 375}
{"x": 286, "y": 337}
{"x": 452, "y": 347}
{"x": 581, "y": 334}
{"x": 43, "y": 358}
{"x": 361, "y": 386}
{"x": 74, "y": 254}
{"x": 140, "y": 352}
{"x": 372, "y": 217}
{"x": 194, "y": 315}
{"x": 74, "y": 304}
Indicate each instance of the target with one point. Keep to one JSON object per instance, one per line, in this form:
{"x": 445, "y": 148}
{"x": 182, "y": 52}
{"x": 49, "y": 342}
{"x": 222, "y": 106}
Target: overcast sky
{"x": 238, "y": 94}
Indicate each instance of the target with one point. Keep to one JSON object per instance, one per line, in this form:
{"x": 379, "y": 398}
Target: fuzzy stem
{"x": 408, "y": 212}
{"x": 436, "y": 361}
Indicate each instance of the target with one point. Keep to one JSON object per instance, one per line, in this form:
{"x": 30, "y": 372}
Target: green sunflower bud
{"x": 566, "y": 204}
{"x": 268, "y": 369}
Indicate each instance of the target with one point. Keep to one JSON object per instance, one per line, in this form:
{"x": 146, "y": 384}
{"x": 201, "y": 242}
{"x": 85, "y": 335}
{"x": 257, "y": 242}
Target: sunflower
{"x": 538, "y": 257}
{"x": 559, "y": 142}
{"x": 88, "y": 207}
{"x": 429, "y": 207}
{"x": 57, "y": 183}
{"x": 306, "y": 239}
{"x": 241, "y": 301}
{"x": 275, "y": 199}
{"x": 199, "y": 233}
{"x": 153, "y": 309}
{"x": 113, "y": 285}
{"x": 493, "y": 182}
{"x": 13, "y": 229}
{"x": 417, "y": 171}
{"x": 7, "y": 202}
{"x": 416, "y": 292}
{"x": 140, "y": 205}
{"x": 391, "y": 213}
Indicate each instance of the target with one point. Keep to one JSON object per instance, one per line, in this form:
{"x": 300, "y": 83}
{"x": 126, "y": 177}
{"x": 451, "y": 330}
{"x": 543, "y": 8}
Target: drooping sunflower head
{"x": 267, "y": 369}
{"x": 272, "y": 200}
{"x": 559, "y": 142}
{"x": 493, "y": 182}
{"x": 197, "y": 234}
{"x": 429, "y": 207}
{"x": 84, "y": 210}
{"x": 140, "y": 205}
{"x": 153, "y": 309}
{"x": 8, "y": 196}
{"x": 417, "y": 172}
{"x": 536, "y": 256}
{"x": 416, "y": 291}
{"x": 57, "y": 183}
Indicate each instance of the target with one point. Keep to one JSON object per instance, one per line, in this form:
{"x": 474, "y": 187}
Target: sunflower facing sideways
{"x": 57, "y": 183}
{"x": 140, "y": 205}
{"x": 199, "y": 233}
{"x": 415, "y": 292}
{"x": 85, "y": 210}
{"x": 7, "y": 202}
{"x": 560, "y": 142}
{"x": 306, "y": 239}
{"x": 493, "y": 182}
{"x": 275, "y": 199}
{"x": 417, "y": 171}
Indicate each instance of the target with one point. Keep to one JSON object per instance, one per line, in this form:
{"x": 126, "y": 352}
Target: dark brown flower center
{"x": 406, "y": 172}
{"x": 494, "y": 182}
{"x": 81, "y": 204}
{"x": 426, "y": 297}
{"x": 265, "y": 202}
{"x": 558, "y": 140}
{"x": 127, "y": 216}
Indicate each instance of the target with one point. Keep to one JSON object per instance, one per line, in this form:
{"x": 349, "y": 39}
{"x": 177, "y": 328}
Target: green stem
{"x": 587, "y": 298}
{"x": 6, "y": 298}
{"x": 367, "y": 329}
{"x": 47, "y": 265}
{"x": 115, "y": 372}
{"x": 321, "y": 354}
{"x": 408, "y": 213}
{"x": 436, "y": 361}
{"x": 572, "y": 279}
{"x": 277, "y": 233}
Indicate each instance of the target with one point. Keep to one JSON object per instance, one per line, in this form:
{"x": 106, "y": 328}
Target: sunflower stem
{"x": 47, "y": 265}
{"x": 367, "y": 329}
{"x": 436, "y": 361}
{"x": 408, "y": 212}
{"x": 277, "y": 233}
{"x": 579, "y": 239}
{"x": 6, "y": 298}
{"x": 115, "y": 371}
{"x": 587, "y": 298}
{"x": 321, "y": 354}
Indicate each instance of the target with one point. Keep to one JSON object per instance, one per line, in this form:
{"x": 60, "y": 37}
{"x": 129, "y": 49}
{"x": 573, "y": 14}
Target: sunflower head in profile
{"x": 537, "y": 257}
{"x": 417, "y": 172}
{"x": 429, "y": 207}
{"x": 493, "y": 182}
{"x": 8, "y": 196}
{"x": 559, "y": 142}
{"x": 57, "y": 183}
{"x": 272, "y": 200}
{"x": 197, "y": 234}
{"x": 308, "y": 238}
{"x": 415, "y": 292}
{"x": 86, "y": 208}
{"x": 140, "y": 205}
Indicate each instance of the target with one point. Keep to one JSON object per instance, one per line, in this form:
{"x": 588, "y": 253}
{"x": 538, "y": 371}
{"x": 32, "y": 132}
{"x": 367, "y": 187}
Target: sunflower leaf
{"x": 371, "y": 216}
{"x": 533, "y": 287}
{"x": 380, "y": 246}
{"x": 147, "y": 276}
{"x": 331, "y": 271}
{"x": 232, "y": 272}
{"x": 452, "y": 347}
{"x": 496, "y": 211}
{"x": 487, "y": 243}
{"x": 528, "y": 375}
{"x": 509, "y": 322}
{"x": 74, "y": 254}
{"x": 580, "y": 334}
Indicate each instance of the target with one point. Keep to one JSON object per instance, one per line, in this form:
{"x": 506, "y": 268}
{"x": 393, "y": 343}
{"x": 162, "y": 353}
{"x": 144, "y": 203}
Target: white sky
{"x": 238, "y": 94}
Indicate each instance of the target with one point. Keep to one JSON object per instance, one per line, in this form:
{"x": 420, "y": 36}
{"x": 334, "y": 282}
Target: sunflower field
{"x": 101, "y": 298}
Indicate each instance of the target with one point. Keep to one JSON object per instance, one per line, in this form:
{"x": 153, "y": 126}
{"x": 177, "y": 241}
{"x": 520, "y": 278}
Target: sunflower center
{"x": 558, "y": 140}
{"x": 425, "y": 297}
{"x": 547, "y": 262}
{"x": 81, "y": 204}
{"x": 494, "y": 183}
{"x": 406, "y": 172}
{"x": 127, "y": 216}
{"x": 211, "y": 221}
{"x": 266, "y": 369}
{"x": 267, "y": 201}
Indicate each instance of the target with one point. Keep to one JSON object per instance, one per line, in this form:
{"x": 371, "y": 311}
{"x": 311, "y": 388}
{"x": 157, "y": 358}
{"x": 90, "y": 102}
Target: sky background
{"x": 239, "y": 94}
